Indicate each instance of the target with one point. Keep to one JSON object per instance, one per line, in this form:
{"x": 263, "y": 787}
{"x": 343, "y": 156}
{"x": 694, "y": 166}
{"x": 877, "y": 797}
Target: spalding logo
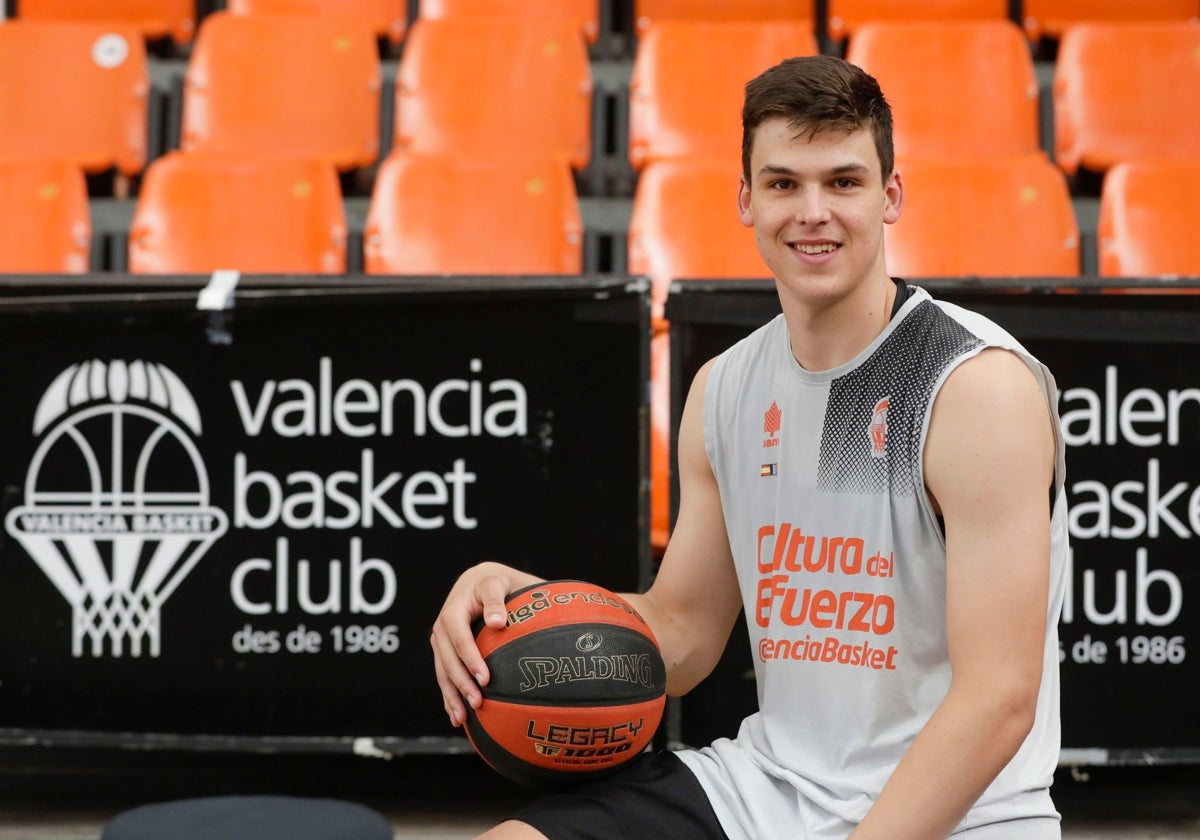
{"x": 541, "y": 671}
{"x": 588, "y": 642}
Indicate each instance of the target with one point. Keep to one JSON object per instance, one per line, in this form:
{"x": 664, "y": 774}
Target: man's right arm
{"x": 695, "y": 599}
{"x": 691, "y": 607}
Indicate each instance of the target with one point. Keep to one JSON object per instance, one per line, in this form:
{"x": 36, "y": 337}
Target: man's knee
{"x": 512, "y": 830}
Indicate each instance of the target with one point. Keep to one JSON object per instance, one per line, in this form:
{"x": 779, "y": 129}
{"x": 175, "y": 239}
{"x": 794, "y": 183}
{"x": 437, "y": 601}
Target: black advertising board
{"x": 240, "y": 525}
{"x": 1127, "y": 365}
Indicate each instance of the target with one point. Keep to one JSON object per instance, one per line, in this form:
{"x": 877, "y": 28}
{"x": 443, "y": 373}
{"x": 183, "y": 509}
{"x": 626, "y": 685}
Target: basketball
{"x": 577, "y": 688}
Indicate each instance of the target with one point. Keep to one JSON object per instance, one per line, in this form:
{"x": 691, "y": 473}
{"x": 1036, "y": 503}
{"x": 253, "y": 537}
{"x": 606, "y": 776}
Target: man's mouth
{"x": 816, "y": 249}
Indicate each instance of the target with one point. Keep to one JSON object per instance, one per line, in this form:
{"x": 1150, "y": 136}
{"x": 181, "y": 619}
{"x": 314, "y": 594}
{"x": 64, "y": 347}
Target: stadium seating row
{"x": 387, "y": 19}
{"x": 1041, "y": 19}
{"x": 199, "y": 212}
{"x": 436, "y": 214}
{"x": 298, "y": 85}
{"x": 668, "y": 120}
{"x": 303, "y": 85}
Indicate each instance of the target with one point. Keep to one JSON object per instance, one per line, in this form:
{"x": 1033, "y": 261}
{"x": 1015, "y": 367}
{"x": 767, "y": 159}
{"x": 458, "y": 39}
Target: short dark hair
{"x": 818, "y": 93}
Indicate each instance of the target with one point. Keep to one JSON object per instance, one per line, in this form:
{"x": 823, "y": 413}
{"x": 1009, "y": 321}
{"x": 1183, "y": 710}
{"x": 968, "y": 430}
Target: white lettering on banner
{"x": 1139, "y": 650}
{"x": 453, "y": 408}
{"x": 110, "y": 523}
{"x": 345, "y": 499}
{"x": 121, "y": 536}
{"x": 278, "y": 580}
{"x": 1118, "y": 613}
{"x": 364, "y": 494}
{"x": 1137, "y": 418}
{"x": 1148, "y": 507}
{"x": 301, "y": 639}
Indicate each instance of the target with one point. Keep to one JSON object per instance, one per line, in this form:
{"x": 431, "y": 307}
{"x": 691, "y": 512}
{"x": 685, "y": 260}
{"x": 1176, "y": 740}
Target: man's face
{"x": 818, "y": 206}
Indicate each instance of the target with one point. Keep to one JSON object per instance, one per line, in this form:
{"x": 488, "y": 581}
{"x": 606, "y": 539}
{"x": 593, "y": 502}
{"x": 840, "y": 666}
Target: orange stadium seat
{"x": 1126, "y": 90}
{"x": 386, "y": 18}
{"x": 284, "y": 84}
{"x": 467, "y": 214}
{"x": 647, "y": 13}
{"x": 1147, "y": 224}
{"x": 846, "y": 16}
{"x": 490, "y": 86}
{"x": 262, "y": 214}
{"x": 1051, "y": 18}
{"x": 584, "y": 13}
{"x": 990, "y": 217}
{"x": 688, "y": 81}
{"x": 153, "y": 18}
{"x": 957, "y": 88}
{"x": 45, "y": 224}
{"x": 684, "y": 226}
{"x": 76, "y": 92}
{"x": 660, "y": 439}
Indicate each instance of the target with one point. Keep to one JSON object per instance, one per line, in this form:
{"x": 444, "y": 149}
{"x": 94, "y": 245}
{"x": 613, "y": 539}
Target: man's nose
{"x": 812, "y": 207}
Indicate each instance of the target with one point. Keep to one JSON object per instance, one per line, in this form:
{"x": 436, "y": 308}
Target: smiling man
{"x": 874, "y": 479}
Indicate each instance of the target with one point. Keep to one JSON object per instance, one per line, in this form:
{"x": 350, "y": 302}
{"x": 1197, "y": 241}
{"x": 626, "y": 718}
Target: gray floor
{"x": 454, "y": 797}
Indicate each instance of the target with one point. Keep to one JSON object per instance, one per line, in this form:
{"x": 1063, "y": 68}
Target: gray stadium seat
{"x": 249, "y": 818}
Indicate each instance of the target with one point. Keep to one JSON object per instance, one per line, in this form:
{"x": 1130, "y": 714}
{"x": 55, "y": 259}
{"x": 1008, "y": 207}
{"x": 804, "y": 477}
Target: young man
{"x": 875, "y": 478}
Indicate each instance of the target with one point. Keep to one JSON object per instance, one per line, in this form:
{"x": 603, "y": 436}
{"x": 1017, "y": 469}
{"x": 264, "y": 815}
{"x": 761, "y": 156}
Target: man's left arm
{"x": 989, "y": 463}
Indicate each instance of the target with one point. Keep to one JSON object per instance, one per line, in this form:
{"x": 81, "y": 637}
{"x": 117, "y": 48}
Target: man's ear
{"x": 893, "y": 191}
{"x": 744, "y": 211}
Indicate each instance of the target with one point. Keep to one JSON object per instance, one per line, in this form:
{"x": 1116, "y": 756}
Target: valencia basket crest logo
{"x": 117, "y": 509}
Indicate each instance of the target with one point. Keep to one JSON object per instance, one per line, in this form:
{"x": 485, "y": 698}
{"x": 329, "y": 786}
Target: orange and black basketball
{"x": 577, "y": 685}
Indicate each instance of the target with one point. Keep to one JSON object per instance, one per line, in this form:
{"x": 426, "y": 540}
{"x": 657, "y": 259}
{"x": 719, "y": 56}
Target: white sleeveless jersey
{"x": 842, "y": 570}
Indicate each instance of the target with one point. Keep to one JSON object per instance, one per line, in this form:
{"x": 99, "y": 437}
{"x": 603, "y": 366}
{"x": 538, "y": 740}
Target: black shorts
{"x": 655, "y": 797}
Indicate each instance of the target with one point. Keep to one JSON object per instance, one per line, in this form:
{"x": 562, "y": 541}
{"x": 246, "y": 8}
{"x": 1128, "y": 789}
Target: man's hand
{"x": 479, "y": 591}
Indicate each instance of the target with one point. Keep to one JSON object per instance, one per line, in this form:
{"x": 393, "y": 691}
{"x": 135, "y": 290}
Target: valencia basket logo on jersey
{"x": 878, "y": 428}
{"x": 117, "y": 509}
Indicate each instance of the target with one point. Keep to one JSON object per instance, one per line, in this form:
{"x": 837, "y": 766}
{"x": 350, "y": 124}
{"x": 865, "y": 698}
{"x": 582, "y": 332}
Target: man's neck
{"x": 826, "y": 336}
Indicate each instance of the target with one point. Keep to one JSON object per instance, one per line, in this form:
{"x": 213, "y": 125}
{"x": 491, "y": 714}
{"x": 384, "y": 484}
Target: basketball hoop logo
{"x": 116, "y": 509}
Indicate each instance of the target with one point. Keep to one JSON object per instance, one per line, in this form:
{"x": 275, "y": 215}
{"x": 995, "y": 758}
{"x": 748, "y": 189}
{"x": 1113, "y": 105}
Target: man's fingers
{"x": 456, "y": 682}
{"x": 452, "y": 699}
{"x": 493, "y": 593}
{"x": 459, "y": 668}
{"x": 474, "y": 671}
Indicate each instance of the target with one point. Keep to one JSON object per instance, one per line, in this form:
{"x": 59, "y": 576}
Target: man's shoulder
{"x": 978, "y": 325}
{"x": 754, "y": 344}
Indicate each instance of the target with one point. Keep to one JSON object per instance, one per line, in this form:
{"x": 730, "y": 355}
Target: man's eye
{"x": 844, "y": 183}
